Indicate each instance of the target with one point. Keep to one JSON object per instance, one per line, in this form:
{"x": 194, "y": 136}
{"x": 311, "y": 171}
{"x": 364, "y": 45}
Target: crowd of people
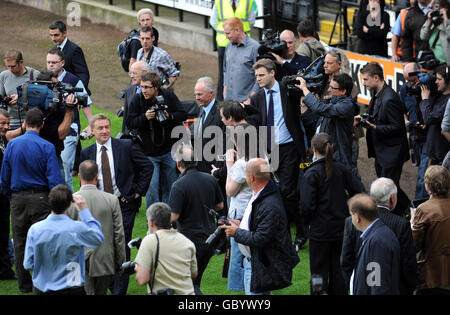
{"x": 264, "y": 155}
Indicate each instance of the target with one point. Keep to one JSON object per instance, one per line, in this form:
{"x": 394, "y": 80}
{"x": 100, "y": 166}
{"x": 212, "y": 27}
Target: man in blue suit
{"x": 377, "y": 267}
{"x": 124, "y": 171}
{"x": 74, "y": 58}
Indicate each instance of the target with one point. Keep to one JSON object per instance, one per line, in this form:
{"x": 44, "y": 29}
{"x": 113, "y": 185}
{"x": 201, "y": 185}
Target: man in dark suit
{"x": 386, "y": 132}
{"x": 279, "y": 112}
{"x": 377, "y": 264}
{"x": 384, "y": 191}
{"x": 125, "y": 172}
{"x": 74, "y": 58}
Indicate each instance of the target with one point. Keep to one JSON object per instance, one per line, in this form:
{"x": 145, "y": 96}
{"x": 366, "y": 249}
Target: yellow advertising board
{"x": 393, "y": 73}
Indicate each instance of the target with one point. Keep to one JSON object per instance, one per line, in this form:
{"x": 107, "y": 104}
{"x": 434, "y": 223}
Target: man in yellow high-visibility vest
{"x": 222, "y": 11}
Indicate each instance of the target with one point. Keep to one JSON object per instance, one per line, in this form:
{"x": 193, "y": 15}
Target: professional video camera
{"x": 48, "y": 95}
{"x": 271, "y": 43}
{"x": 427, "y": 79}
{"x": 366, "y": 118}
{"x": 426, "y": 59}
{"x": 212, "y": 239}
{"x": 159, "y": 109}
{"x": 314, "y": 76}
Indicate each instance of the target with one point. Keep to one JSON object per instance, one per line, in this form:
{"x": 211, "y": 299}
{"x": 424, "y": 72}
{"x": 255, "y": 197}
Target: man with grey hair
{"x": 177, "y": 262}
{"x": 135, "y": 73}
{"x": 384, "y": 191}
{"x": 191, "y": 196}
{"x": 145, "y": 18}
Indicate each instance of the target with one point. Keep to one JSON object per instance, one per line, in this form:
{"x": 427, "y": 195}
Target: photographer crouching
{"x": 169, "y": 250}
{"x": 154, "y": 113}
{"x": 433, "y": 109}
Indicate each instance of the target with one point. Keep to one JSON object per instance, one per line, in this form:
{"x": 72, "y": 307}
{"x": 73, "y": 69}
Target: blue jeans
{"x": 421, "y": 193}
{"x": 164, "y": 169}
{"x": 248, "y": 279}
{"x": 235, "y": 271}
{"x": 68, "y": 158}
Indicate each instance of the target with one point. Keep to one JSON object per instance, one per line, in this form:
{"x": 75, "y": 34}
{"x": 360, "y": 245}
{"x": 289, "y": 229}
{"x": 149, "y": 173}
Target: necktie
{"x": 270, "y": 120}
{"x": 59, "y": 48}
{"x": 106, "y": 172}
{"x": 202, "y": 117}
{"x": 233, "y": 4}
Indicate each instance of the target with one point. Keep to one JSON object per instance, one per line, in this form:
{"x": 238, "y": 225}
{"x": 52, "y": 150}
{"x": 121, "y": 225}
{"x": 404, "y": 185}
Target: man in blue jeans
{"x": 153, "y": 114}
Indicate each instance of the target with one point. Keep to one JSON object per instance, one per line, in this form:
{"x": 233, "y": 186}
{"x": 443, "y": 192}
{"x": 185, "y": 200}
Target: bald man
{"x": 289, "y": 63}
{"x": 263, "y": 232}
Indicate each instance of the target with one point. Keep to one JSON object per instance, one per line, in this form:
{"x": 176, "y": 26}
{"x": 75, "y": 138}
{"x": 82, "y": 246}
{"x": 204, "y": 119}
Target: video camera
{"x": 426, "y": 59}
{"x": 271, "y": 43}
{"x": 425, "y": 78}
{"x": 159, "y": 109}
{"x": 219, "y": 232}
{"x": 314, "y": 76}
{"x": 48, "y": 95}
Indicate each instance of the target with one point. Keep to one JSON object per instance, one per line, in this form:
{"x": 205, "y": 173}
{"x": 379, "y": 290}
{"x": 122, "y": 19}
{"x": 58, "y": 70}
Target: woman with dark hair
{"x": 324, "y": 191}
{"x": 372, "y": 27}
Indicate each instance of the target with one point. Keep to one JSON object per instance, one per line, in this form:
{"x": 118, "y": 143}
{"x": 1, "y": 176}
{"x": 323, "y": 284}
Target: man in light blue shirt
{"x": 54, "y": 249}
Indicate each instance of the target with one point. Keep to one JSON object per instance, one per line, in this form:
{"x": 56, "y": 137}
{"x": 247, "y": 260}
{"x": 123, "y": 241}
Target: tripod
{"x": 344, "y": 29}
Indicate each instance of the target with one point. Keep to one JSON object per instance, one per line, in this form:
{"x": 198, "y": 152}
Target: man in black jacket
{"x": 263, "y": 234}
{"x": 154, "y": 124}
{"x": 386, "y": 131}
{"x": 384, "y": 191}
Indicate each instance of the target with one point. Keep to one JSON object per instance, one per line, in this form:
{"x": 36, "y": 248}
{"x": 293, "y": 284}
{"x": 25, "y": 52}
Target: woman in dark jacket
{"x": 324, "y": 190}
{"x": 372, "y": 27}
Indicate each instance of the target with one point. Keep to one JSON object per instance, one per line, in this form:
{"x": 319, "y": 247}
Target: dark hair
{"x": 58, "y": 25}
{"x": 444, "y": 4}
{"x": 266, "y": 63}
{"x": 147, "y": 29}
{"x": 373, "y": 68}
{"x": 185, "y": 156}
{"x": 34, "y": 118}
{"x": 443, "y": 70}
{"x": 46, "y": 75}
{"x": 56, "y": 51}
{"x": 153, "y": 77}
{"x": 242, "y": 135}
{"x": 60, "y": 198}
{"x": 161, "y": 214}
{"x": 13, "y": 54}
{"x": 88, "y": 170}
{"x": 364, "y": 205}
{"x": 306, "y": 28}
{"x": 321, "y": 142}
{"x": 345, "y": 82}
{"x": 232, "y": 109}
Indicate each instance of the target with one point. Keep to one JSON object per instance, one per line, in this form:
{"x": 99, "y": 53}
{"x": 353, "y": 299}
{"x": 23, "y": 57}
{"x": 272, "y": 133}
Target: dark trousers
{"x": 394, "y": 173}
{"x": 221, "y": 57}
{"x": 324, "y": 260}
{"x": 27, "y": 208}
{"x": 203, "y": 253}
{"x": 5, "y": 261}
{"x": 288, "y": 175}
{"x": 69, "y": 291}
{"x": 119, "y": 282}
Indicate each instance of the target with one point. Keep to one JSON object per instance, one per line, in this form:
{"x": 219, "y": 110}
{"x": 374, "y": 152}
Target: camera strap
{"x": 436, "y": 39}
{"x": 155, "y": 264}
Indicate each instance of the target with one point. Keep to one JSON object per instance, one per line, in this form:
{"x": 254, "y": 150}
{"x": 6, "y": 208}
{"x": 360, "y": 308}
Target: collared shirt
{"x": 54, "y": 250}
{"x": 238, "y": 74}
{"x": 208, "y": 108}
{"x": 108, "y": 146}
{"x": 245, "y": 224}
{"x": 281, "y": 133}
{"x": 29, "y": 162}
{"x": 160, "y": 62}
{"x": 62, "y": 44}
{"x": 427, "y": 8}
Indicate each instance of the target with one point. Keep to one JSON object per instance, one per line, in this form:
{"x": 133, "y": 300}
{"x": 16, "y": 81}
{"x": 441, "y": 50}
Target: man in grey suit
{"x": 101, "y": 262}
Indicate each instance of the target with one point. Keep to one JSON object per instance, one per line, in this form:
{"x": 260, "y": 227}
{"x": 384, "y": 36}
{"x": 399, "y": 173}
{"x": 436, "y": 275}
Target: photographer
{"x": 154, "y": 122}
{"x": 55, "y": 63}
{"x": 289, "y": 63}
{"x": 336, "y": 117}
{"x": 386, "y": 132}
{"x": 176, "y": 262}
{"x": 433, "y": 108}
{"x": 437, "y": 31}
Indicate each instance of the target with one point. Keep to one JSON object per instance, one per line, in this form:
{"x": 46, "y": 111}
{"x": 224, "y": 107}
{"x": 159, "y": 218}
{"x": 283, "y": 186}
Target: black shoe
{"x": 299, "y": 243}
{"x": 26, "y": 290}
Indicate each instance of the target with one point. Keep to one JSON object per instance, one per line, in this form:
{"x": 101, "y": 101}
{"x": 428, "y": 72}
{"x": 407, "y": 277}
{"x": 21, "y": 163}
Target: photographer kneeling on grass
{"x": 169, "y": 250}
